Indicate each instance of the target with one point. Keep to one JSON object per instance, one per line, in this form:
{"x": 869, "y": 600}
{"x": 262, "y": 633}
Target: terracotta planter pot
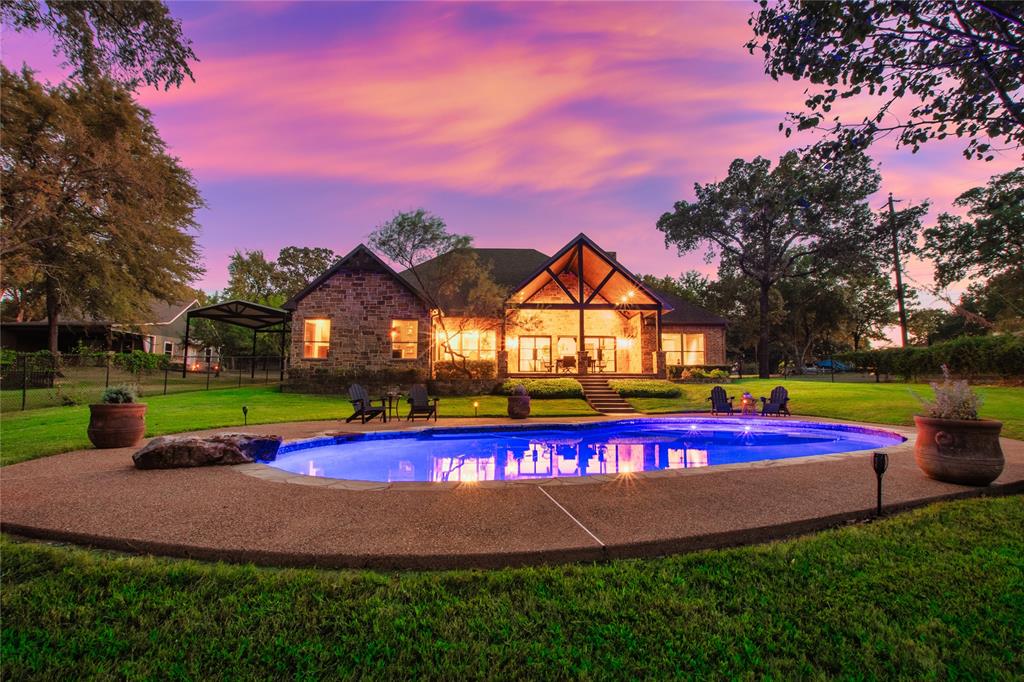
{"x": 117, "y": 425}
{"x": 959, "y": 451}
{"x": 519, "y": 406}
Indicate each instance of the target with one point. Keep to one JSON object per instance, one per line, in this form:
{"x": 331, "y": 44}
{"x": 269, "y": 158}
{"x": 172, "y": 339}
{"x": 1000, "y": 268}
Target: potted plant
{"x": 953, "y": 443}
{"x": 519, "y": 403}
{"x": 117, "y": 421}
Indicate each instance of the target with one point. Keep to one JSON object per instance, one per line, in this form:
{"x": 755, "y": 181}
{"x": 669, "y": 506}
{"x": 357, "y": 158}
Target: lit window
{"x": 673, "y": 346}
{"x": 316, "y": 339}
{"x": 693, "y": 349}
{"x": 168, "y": 348}
{"x": 404, "y": 342}
{"x": 468, "y": 345}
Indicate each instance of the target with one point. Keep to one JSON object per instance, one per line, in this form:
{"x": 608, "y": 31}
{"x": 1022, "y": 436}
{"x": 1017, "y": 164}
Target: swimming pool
{"x": 510, "y": 453}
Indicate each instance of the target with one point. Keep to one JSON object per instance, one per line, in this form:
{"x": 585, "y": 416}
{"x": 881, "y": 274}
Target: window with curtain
{"x": 693, "y": 349}
{"x": 316, "y": 339}
{"x": 471, "y": 345}
{"x": 404, "y": 339}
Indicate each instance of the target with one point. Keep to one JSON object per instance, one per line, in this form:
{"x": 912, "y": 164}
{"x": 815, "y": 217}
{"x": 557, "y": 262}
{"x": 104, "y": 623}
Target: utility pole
{"x": 899, "y": 273}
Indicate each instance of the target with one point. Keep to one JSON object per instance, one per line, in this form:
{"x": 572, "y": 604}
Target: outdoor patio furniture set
{"x": 777, "y": 403}
{"x": 386, "y": 406}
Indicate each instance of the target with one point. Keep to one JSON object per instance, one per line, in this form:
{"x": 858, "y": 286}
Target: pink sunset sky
{"x": 522, "y": 125}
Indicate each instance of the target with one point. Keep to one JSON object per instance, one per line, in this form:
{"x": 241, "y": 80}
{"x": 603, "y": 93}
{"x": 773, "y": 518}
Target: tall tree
{"x": 936, "y": 67}
{"x": 803, "y": 217}
{"x": 897, "y": 237}
{"x": 446, "y": 271}
{"x": 129, "y": 42}
{"x": 867, "y": 306}
{"x": 251, "y": 278}
{"x": 92, "y": 201}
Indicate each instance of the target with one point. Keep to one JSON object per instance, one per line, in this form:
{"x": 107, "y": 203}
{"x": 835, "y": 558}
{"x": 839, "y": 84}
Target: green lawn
{"x": 936, "y": 593}
{"x": 35, "y": 433}
{"x": 868, "y": 402}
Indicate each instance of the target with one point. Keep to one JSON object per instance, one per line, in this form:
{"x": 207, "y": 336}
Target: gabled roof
{"x": 359, "y": 259}
{"x": 600, "y": 270}
{"x": 243, "y": 314}
{"x": 160, "y": 313}
{"x": 680, "y": 311}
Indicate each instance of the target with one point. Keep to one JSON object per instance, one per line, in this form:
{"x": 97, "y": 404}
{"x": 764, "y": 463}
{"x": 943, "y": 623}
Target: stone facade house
{"x": 361, "y": 316}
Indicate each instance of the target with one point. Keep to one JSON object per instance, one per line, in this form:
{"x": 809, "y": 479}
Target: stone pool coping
{"x": 96, "y": 498}
{"x": 268, "y": 472}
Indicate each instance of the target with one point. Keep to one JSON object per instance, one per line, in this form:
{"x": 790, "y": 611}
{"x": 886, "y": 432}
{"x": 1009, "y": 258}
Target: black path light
{"x": 879, "y": 462}
{"x": 245, "y": 415}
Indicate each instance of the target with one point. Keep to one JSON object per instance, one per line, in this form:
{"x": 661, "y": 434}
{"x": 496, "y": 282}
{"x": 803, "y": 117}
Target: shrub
{"x": 470, "y": 369}
{"x": 118, "y": 395}
{"x": 139, "y": 360}
{"x": 966, "y": 356}
{"x": 953, "y": 399}
{"x": 645, "y": 388}
{"x": 545, "y": 388}
{"x": 701, "y": 375}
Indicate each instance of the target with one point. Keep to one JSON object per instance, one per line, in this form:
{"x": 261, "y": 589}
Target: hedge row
{"x": 645, "y": 388}
{"x": 546, "y": 388}
{"x": 965, "y": 356}
{"x": 470, "y": 369}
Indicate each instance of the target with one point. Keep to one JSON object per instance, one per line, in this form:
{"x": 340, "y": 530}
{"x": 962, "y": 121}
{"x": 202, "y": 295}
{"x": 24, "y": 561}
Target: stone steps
{"x": 602, "y": 398}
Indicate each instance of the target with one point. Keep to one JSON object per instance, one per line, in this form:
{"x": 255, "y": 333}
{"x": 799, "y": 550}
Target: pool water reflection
{"x": 472, "y": 454}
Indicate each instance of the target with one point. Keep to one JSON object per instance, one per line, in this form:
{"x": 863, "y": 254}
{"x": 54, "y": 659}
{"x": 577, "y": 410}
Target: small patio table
{"x": 392, "y": 402}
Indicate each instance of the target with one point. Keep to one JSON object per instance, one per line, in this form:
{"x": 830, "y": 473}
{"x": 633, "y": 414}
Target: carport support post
{"x": 252, "y": 359}
{"x": 282, "y": 353}
{"x": 184, "y": 354}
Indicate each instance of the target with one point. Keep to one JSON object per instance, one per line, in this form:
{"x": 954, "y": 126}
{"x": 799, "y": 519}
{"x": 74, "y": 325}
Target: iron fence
{"x": 34, "y": 380}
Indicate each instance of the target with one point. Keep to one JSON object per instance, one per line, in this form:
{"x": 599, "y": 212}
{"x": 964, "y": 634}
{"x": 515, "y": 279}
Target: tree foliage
{"x": 804, "y": 217}
{"x": 989, "y": 240}
{"x": 94, "y": 208}
{"x": 129, "y": 42}
{"x": 936, "y": 68}
{"x": 690, "y": 286}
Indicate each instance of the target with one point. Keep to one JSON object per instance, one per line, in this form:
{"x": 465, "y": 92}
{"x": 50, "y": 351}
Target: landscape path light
{"x": 879, "y": 462}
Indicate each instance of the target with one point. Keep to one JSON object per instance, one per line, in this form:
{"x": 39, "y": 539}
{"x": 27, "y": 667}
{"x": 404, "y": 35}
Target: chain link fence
{"x": 34, "y": 380}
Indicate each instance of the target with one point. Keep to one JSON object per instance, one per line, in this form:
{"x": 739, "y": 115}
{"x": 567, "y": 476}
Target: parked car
{"x": 826, "y": 365}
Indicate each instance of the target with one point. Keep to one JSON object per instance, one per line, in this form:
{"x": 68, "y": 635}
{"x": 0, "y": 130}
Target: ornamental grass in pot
{"x": 118, "y": 421}
{"x": 953, "y": 443}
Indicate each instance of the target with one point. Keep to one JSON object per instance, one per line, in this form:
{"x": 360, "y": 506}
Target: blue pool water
{"x": 470, "y": 454}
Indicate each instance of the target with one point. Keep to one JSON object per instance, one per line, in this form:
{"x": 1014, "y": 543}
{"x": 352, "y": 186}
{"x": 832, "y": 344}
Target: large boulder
{"x": 173, "y": 452}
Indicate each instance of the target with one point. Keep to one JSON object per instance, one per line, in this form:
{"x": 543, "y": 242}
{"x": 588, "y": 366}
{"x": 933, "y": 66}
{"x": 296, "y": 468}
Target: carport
{"x": 261, "y": 319}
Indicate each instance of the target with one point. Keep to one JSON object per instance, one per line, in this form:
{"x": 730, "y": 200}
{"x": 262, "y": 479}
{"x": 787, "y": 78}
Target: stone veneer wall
{"x": 714, "y": 340}
{"x": 360, "y": 303}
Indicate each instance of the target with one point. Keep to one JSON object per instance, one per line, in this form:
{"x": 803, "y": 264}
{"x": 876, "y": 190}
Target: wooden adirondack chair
{"x": 364, "y": 407}
{"x": 420, "y": 405}
{"x": 720, "y": 403}
{"x": 777, "y": 403}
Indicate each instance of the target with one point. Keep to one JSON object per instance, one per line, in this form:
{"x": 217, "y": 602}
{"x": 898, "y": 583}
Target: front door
{"x": 601, "y": 351}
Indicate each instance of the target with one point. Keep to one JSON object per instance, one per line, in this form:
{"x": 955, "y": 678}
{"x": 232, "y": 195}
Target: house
{"x": 363, "y": 316}
{"x": 160, "y": 330}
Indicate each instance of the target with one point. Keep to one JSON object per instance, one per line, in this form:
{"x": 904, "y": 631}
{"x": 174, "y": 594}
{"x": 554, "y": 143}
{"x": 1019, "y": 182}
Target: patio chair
{"x": 364, "y": 407}
{"x": 777, "y": 403}
{"x": 567, "y": 363}
{"x": 420, "y": 405}
{"x": 720, "y": 403}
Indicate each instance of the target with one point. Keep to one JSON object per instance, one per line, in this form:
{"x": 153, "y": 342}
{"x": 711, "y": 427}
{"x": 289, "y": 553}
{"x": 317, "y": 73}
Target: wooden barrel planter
{"x": 963, "y": 451}
{"x": 113, "y": 425}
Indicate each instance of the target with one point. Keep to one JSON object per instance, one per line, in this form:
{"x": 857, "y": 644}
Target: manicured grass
{"x": 867, "y": 402}
{"x": 937, "y": 593}
{"x": 35, "y": 433}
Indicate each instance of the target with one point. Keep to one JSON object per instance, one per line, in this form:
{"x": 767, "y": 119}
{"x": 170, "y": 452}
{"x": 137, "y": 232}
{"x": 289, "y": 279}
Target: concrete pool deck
{"x": 266, "y": 516}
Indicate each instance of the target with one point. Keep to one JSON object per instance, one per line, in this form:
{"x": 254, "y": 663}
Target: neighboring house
{"x": 362, "y": 316}
{"x": 159, "y": 331}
